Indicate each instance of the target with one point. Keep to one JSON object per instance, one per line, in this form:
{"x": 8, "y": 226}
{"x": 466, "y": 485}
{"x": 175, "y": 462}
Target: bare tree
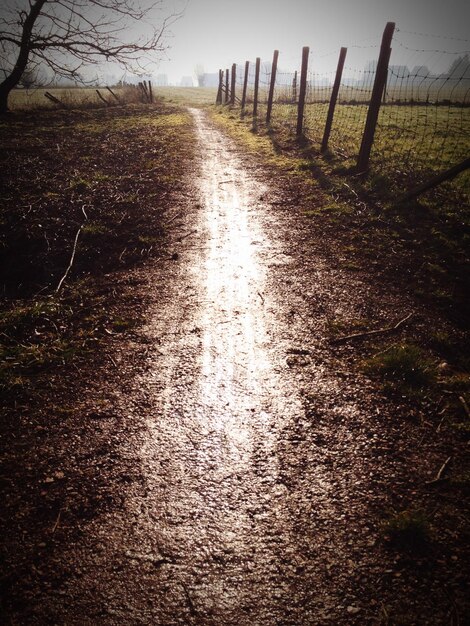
{"x": 69, "y": 35}
{"x": 30, "y": 77}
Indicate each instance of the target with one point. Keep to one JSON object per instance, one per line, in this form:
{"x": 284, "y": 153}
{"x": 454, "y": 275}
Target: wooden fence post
{"x": 218, "y": 99}
{"x": 232, "y": 88}
{"x": 101, "y": 97}
{"x": 303, "y": 90}
{"x": 226, "y": 87}
{"x": 245, "y": 84}
{"x": 333, "y": 99}
{"x": 437, "y": 180}
{"x": 255, "y": 96}
{"x": 150, "y": 92}
{"x": 53, "y": 99}
{"x": 294, "y": 87}
{"x": 113, "y": 94}
{"x": 271, "y": 86}
{"x": 144, "y": 91}
{"x": 376, "y": 98}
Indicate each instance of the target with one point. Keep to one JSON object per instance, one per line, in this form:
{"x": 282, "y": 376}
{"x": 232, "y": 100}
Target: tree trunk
{"x": 22, "y": 61}
{"x": 4, "y": 93}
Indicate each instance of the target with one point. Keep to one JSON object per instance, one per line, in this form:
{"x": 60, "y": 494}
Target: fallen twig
{"x": 56, "y": 525}
{"x": 379, "y": 331}
{"x": 463, "y": 402}
{"x": 186, "y": 236}
{"x": 71, "y": 258}
{"x": 440, "y": 473}
{"x": 172, "y": 219}
{"x": 261, "y": 296}
{"x": 438, "y": 429}
{"x": 381, "y": 352}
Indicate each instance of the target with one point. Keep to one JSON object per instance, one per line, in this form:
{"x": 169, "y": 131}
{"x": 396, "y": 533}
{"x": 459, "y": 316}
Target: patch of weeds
{"x": 407, "y": 530}
{"x": 121, "y": 324}
{"x": 458, "y": 382}
{"x": 405, "y": 365}
{"x": 351, "y": 266}
{"x": 148, "y": 240}
{"x": 343, "y": 327}
{"x": 80, "y": 184}
{"x": 313, "y": 213}
{"x": 306, "y": 165}
{"x": 170, "y": 120}
{"x": 99, "y": 177}
{"x": 94, "y": 228}
{"x": 33, "y": 338}
{"x": 337, "y": 208}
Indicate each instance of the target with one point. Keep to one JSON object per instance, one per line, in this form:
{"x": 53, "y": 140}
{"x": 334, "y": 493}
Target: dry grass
{"x": 86, "y": 97}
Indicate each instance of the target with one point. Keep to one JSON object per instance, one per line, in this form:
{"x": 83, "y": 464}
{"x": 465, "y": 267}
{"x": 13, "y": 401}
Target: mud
{"x": 260, "y": 466}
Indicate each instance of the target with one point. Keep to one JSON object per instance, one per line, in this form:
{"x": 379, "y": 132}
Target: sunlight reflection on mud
{"x": 235, "y": 366}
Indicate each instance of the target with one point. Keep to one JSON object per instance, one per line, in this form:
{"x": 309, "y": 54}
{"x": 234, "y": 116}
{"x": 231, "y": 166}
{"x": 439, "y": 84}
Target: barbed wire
{"x": 429, "y": 35}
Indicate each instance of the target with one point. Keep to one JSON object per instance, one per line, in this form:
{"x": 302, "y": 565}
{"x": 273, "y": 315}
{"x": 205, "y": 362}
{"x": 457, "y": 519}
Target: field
{"x": 412, "y": 143}
{"x": 194, "y": 96}
{"x": 81, "y": 97}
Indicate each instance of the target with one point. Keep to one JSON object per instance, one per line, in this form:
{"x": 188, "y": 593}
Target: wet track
{"x": 224, "y": 400}
{"x": 256, "y": 460}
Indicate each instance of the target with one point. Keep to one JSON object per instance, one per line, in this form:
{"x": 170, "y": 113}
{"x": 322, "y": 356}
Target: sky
{"x": 217, "y": 33}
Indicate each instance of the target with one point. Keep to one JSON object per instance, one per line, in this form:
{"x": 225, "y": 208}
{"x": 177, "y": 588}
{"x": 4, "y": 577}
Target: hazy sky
{"x": 216, "y": 33}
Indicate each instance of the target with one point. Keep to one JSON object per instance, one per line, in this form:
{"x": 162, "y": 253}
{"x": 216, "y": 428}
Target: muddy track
{"x": 261, "y": 467}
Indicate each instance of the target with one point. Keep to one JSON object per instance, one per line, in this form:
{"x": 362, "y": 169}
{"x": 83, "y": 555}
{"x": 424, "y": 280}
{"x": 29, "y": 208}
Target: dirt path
{"x": 261, "y": 466}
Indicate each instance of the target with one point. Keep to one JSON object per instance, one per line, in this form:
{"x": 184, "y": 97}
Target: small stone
{"x": 353, "y": 610}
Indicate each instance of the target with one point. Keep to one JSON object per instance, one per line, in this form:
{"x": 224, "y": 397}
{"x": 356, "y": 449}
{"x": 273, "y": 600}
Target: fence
{"x": 410, "y": 123}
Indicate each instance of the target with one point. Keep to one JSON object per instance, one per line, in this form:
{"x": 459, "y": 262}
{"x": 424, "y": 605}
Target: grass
{"x": 194, "y": 96}
{"x": 408, "y": 530}
{"x": 40, "y": 333}
{"x": 404, "y": 365}
{"x": 71, "y": 97}
{"x": 87, "y": 98}
{"x": 411, "y": 143}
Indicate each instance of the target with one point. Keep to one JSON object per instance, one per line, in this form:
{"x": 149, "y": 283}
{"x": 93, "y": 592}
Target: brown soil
{"x": 221, "y": 460}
